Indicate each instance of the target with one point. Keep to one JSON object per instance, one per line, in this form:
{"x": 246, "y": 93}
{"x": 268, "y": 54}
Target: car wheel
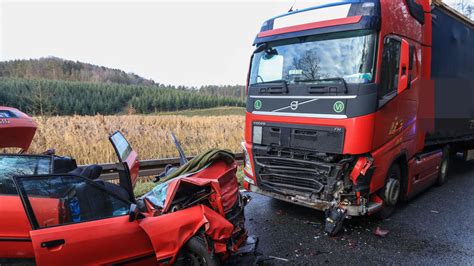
{"x": 391, "y": 192}
{"x": 444, "y": 168}
{"x": 196, "y": 253}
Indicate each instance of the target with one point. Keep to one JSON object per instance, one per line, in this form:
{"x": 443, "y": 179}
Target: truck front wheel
{"x": 391, "y": 192}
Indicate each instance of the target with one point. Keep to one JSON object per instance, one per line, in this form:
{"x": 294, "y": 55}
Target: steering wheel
{"x": 260, "y": 77}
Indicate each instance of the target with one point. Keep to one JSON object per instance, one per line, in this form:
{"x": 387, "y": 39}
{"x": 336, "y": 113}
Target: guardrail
{"x": 150, "y": 167}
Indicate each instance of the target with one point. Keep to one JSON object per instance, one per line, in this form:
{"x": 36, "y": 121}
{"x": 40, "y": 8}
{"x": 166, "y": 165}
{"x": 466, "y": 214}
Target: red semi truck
{"x": 356, "y": 105}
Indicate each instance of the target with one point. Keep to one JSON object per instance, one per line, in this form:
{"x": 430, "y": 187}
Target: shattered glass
{"x": 157, "y": 196}
{"x": 20, "y": 165}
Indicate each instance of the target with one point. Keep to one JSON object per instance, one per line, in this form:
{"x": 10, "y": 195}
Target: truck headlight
{"x": 247, "y": 164}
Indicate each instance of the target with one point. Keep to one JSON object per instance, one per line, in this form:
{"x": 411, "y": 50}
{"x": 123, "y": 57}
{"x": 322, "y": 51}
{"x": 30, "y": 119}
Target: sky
{"x": 178, "y": 42}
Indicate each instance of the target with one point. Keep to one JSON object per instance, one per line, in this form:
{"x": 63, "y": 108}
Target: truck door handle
{"x": 53, "y": 243}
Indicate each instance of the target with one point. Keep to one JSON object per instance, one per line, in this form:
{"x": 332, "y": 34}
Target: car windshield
{"x": 316, "y": 58}
{"x": 19, "y": 165}
{"x": 157, "y": 196}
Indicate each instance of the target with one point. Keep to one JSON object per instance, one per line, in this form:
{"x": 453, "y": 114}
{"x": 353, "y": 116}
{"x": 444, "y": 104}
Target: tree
{"x": 466, "y": 7}
{"x": 41, "y": 100}
{"x": 53, "y": 97}
{"x": 309, "y": 64}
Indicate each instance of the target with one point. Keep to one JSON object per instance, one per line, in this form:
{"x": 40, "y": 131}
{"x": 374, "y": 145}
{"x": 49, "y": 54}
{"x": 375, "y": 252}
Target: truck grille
{"x": 292, "y": 174}
{"x": 300, "y": 137}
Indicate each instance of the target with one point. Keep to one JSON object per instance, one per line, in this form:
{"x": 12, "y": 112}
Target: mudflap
{"x": 334, "y": 220}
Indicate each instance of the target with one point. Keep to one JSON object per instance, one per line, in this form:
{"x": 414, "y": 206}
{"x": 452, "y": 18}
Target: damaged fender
{"x": 220, "y": 177}
{"x": 168, "y": 233}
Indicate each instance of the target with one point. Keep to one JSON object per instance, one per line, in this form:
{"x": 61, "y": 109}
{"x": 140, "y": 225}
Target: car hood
{"x": 220, "y": 176}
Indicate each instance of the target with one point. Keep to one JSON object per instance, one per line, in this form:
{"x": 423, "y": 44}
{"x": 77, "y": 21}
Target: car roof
{"x": 17, "y": 129}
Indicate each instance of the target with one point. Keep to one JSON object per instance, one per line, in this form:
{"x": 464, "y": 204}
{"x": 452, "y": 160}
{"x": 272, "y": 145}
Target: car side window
{"x": 65, "y": 199}
{"x": 121, "y": 146}
{"x": 17, "y": 165}
{"x": 390, "y": 66}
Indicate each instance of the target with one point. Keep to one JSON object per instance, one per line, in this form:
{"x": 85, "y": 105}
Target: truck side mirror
{"x": 403, "y": 76}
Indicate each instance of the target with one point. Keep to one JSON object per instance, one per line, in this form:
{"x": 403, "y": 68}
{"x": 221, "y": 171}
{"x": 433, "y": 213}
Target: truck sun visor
{"x": 326, "y": 12}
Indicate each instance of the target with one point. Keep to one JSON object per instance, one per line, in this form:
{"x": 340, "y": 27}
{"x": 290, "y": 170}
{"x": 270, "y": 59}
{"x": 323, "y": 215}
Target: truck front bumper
{"x": 351, "y": 210}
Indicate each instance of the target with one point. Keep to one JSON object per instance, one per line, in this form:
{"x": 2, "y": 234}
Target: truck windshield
{"x": 316, "y": 59}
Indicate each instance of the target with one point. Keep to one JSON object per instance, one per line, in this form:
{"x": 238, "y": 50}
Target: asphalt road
{"x": 436, "y": 227}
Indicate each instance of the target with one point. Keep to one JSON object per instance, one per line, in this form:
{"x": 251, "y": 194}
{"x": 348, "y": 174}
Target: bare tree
{"x": 41, "y": 100}
{"x": 466, "y": 7}
{"x": 309, "y": 64}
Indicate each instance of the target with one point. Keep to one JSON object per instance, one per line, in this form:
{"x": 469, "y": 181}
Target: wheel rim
{"x": 392, "y": 192}
{"x": 194, "y": 259}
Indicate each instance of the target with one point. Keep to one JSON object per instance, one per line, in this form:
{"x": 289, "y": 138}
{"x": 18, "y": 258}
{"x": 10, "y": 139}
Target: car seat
{"x": 93, "y": 172}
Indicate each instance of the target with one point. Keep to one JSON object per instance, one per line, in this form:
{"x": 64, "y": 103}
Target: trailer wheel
{"x": 195, "y": 253}
{"x": 391, "y": 192}
{"x": 444, "y": 168}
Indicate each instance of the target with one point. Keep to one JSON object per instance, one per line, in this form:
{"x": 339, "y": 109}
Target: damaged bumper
{"x": 351, "y": 210}
{"x": 318, "y": 181}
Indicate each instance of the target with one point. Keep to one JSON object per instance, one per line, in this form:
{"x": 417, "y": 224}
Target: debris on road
{"x": 250, "y": 246}
{"x": 334, "y": 220}
{"x": 380, "y": 232}
{"x": 277, "y": 258}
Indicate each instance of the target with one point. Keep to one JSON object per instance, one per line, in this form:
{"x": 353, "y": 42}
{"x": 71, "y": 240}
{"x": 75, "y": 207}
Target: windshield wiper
{"x": 283, "y": 88}
{"x": 272, "y": 81}
{"x": 341, "y": 80}
{"x": 315, "y": 80}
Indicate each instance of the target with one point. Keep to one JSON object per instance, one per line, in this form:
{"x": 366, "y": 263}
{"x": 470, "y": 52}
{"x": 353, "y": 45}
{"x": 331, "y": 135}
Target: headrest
{"x": 92, "y": 171}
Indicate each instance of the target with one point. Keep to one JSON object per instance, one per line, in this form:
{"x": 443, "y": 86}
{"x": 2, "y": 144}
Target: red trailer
{"x": 355, "y": 105}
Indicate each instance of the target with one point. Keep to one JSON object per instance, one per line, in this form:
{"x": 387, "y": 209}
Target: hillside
{"x": 54, "y": 86}
{"x": 54, "y": 68}
{"x": 55, "y": 97}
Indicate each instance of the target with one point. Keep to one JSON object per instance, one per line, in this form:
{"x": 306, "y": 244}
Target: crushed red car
{"x": 55, "y": 213}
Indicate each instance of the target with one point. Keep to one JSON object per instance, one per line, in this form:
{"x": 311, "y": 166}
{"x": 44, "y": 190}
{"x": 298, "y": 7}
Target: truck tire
{"x": 444, "y": 167}
{"x": 195, "y": 253}
{"x": 391, "y": 192}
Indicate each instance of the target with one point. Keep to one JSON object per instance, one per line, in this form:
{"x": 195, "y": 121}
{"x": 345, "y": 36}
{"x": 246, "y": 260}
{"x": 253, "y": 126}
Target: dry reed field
{"x": 86, "y": 137}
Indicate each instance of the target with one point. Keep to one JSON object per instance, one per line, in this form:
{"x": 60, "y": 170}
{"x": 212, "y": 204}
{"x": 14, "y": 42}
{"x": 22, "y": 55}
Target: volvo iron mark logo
{"x": 294, "y": 105}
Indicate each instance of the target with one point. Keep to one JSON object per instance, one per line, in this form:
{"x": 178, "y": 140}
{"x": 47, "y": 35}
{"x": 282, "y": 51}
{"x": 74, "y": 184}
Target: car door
{"x": 76, "y": 221}
{"x": 126, "y": 154}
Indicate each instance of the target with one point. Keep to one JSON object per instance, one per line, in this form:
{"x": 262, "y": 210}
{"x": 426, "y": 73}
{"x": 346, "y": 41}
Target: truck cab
{"x": 340, "y": 105}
